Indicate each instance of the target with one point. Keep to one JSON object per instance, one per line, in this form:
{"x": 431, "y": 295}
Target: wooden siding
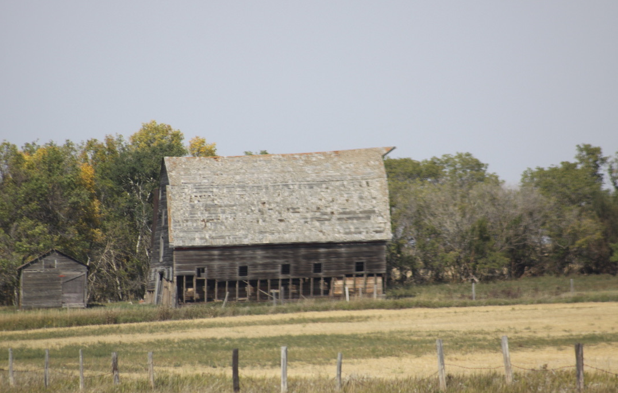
{"x": 53, "y": 280}
{"x": 264, "y": 261}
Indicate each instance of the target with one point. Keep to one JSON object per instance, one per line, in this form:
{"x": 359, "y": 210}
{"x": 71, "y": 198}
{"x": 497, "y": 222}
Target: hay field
{"x": 375, "y": 343}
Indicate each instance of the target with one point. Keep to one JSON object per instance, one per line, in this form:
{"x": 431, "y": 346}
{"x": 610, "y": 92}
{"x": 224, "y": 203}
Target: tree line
{"x": 452, "y": 220}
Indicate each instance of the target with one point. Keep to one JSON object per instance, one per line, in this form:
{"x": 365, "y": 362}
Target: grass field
{"x": 385, "y": 350}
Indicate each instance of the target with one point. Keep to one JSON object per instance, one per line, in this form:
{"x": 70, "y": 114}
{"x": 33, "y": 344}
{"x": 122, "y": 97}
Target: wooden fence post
{"x": 473, "y": 292}
{"x": 46, "y": 376}
{"x": 441, "y": 368}
{"x": 281, "y": 294}
{"x": 81, "y": 370}
{"x": 375, "y": 288}
{"x": 508, "y": 371}
{"x": 284, "y": 369}
{"x": 235, "y": 378}
{"x": 11, "y": 376}
{"x": 339, "y": 362}
{"x": 347, "y": 294}
{"x": 579, "y": 365}
{"x": 572, "y": 286}
{"x": 115, "y": 372}
{"x": 151, "y": 375}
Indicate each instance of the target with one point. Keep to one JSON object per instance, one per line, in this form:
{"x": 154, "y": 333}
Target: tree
{"x": 199, "y": 148}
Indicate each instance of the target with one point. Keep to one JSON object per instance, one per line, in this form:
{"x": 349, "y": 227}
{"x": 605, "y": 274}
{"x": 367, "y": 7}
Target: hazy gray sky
{"x": 516, "y": 83}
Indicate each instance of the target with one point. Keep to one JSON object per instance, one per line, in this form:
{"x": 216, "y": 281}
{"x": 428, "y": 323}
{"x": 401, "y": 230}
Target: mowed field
{"x": 374, "y": 343}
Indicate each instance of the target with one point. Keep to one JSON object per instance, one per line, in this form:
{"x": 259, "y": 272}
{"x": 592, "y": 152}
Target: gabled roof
{"x": 337, "y": 196}
{"x": 48, "y": 253}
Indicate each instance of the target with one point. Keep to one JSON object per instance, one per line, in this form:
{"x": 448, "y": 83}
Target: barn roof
{"x": 337, "y": 196}
{"x": 48, "y": 253}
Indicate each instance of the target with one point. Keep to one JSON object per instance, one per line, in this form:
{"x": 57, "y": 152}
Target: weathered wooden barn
{"x": 301, "y": 225}
{"x": 53, "y": 280}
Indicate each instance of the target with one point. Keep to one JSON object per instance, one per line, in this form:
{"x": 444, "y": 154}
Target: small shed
{"x": 52, "y": 280}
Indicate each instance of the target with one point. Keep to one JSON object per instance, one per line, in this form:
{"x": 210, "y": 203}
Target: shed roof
{"x": 48, "y": 253}
{"x": 337, "y": 196}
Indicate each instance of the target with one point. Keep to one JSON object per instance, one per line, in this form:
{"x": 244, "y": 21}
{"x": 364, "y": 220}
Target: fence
{"x": 441, "y": 369}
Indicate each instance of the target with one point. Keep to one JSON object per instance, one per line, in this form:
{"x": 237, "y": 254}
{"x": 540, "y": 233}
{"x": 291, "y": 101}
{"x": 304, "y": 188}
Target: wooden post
{"x": 237, "y": 289}
{"x": 284, "y": 369}
{"x": 46, "y": 376}
{"x": 364, "y": 284}
{"x": 225, "y": 300}
{"x": 257, "y": 292}
{"x": 235, "y": 378}
{"x": 184, "y": 289}
{"x": 274, "y": 295}
{"x": 347, "y": 294}
{"x": 151, "y": 375}
{"x": 281, "y": 294}
{"x": 11, "y": 376}
{"x": 311, "y": 286}
{"x": 508, "y": 371}
{"x": 473, "y": 292}
{"x": 115, "y": 373}
{"x": 216, "y": 290}
{"x": 572, "y": 286}
{"x": 195, "y": 288}
{"x": 205, "y": 289}
{"x": 339, "y": 362}
{"x": 441, "y": 369}
{"x": 321, "y": 286}
{"x": 300, "y": 290}
{"x": 290, "y": 289}
{"x": 227, "y": 287}
{"x": 82, "y": 384}
{"x": 579, "y": 365}
{"x": 268, "y": 282}
{"x": 375, "y": 286}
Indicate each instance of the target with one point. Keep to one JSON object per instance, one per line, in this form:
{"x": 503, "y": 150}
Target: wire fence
{"x": 113, "y": 373}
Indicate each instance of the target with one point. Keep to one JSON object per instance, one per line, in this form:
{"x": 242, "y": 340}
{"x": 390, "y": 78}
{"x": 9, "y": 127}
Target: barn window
{"x": 243, "y": 271}
{"x": 360, "y": 267}
{"x": 317, "y": 268}
{"x": 285, "y": 268}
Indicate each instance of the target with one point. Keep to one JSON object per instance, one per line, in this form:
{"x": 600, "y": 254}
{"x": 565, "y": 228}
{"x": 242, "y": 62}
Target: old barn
{"x": 297, "y": 225}
{"x": 53, "y": 280}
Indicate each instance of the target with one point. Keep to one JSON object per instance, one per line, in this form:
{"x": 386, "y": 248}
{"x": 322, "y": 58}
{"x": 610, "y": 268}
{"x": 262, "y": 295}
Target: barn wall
{"x": 53, "y": 281}
{"x": 264, "y": 261}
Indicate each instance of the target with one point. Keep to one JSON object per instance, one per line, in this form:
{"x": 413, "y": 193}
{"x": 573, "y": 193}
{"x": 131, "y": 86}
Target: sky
{"x": 516, "y": 83}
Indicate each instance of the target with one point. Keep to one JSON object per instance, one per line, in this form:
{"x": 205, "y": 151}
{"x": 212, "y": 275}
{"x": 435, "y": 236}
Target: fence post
{"x": 11, "y": 376}
{"x": 572, "y": 286}
{"x": 339, "y": 362}
{"x": 81, "y": 370}
{"x": 46, "y": 376}
{"x": 347, "y": 294}
{"x": 225, "y": 300}
{"x": 375, "y": 289}
{"x": 151, "y": 375}
{"x": 579, "y": 365}
{"x": 508, "y": 371}
{"x": 441, "y": 368}
{"x": 473, "y": 292}
{"x": 284, "y": 369}
{"x": 281, "y": 294}
{"x": 235, "y": 378}
{"x": 115, "y": 372}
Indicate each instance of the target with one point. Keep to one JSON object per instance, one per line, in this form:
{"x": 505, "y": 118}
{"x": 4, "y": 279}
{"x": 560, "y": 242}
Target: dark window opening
{"x": 243, "y": 271}
{"x": 317, "y": 268}
{"x": 360, "y": 267}
{"x": 201, "y": 272}
{"x": 285, "y": 268}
